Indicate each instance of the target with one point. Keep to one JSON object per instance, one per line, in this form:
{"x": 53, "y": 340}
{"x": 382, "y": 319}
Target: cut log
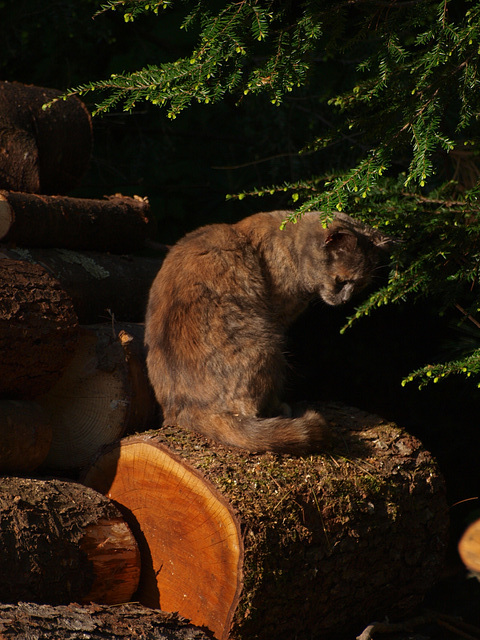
{"x": 327, "y": 542}
{"x": 38, "y": 329}
{"x": 29, "y": 621}
{"x": 469, "y": 548}
{"x": 118, "y": 223}
{"x": 61, "y": 542}
{"x": 103, "y": 393}
{"x": 100, "y": 285}
{"x": 25, "y": 436}
{"x": 42, "y": 150}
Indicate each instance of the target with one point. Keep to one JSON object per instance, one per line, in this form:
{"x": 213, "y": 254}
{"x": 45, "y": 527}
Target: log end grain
{"x": 190, "y": 540}
{"x": 469, "y": 548}
{"x": 103, "y": 393}
{"x": 111, "y": 548}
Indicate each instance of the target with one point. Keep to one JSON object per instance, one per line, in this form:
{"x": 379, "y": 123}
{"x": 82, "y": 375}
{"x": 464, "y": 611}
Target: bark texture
{"x": 330, "y": 541}
{"x": 38, "y": 329}
{"x": 62, "y": 542}
{"x": 101, "y": 285}
{"x": 27, "y": 621}
{"x": 42, "y": 150}
{"x": 25, "y": 436}
{"x": 102, "y": 394}
{"x": 117, "y": 223}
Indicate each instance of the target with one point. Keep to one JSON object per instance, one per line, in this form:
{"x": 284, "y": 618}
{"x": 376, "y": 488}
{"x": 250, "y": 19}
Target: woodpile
{"x": 239, "y": 545}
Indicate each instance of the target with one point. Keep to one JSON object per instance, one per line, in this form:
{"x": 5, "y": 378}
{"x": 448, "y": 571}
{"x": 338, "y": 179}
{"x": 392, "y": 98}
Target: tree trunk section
{"x": 27, "y": 621}
{"x": 118, "y": 224}
{"x": 101, "y": 286}
{"x": 103, "y": 393}
{"x": 42, "y": 150}
{"x": 38, "y": 329}
{"x": 25, "y": 436}
{"x": 62, "y": 542}
{"x": 327, "y": 542}
{"x": 469, "y": 548}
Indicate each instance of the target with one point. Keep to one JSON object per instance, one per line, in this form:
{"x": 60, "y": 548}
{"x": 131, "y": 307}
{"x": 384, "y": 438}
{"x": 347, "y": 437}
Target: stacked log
{"x": 242, "y": 545}
{"x": 126, "y": 621}
{"x": 42, "y": 150}
{"x": 265, "y": 546}
{"x": 62, "y": 543}
{"x": 118, "y": 224}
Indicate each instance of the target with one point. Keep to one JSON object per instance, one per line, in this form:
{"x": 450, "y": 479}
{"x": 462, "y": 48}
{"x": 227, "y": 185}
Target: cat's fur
{"x": 217, "y": 315}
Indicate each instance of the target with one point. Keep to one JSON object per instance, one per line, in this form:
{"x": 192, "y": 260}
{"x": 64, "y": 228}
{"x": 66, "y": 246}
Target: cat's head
{"x": 351, "y": 253}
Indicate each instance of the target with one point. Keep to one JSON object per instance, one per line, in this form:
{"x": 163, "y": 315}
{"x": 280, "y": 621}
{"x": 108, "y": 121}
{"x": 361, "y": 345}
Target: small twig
{"x": 389, "y": 627}
{"x": 468, "y": 316}
{"x": 453, "y": 624}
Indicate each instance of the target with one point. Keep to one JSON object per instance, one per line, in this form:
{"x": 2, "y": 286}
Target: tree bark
{"x": 469, "y": 548}
{"x": 307, "y": 546}
{"x": 27, "y": 621}
{"x": 38, "y": 329}
{"x": 118, "y": 224}
{"x": 62, "y": 542}
{"x": 101, "y": 286}
{"x": 42, "y": 150}
{"x": 102, "y": 394}
{"x": 25, "y": 436}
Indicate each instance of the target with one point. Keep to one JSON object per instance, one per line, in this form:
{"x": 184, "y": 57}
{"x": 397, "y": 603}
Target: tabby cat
{"x": 216, "y": 320}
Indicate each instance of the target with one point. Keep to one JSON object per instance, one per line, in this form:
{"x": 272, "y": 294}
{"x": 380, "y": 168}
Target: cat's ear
{"x": 340, "y": 240}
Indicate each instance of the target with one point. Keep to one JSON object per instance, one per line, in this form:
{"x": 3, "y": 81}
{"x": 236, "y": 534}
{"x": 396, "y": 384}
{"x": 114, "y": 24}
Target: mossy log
{"x": 42, "y": 150}
{"x": 25, "y": 436}
{"x": 38, "y": 329}
{"x": 28, "y": 621}
{"x": 102, "y": 394}
{"x": 118, "y": 223}
{"x": 101, "y": 285}
{"x": 62, "y": 542}
{"x": 269, "y": 546}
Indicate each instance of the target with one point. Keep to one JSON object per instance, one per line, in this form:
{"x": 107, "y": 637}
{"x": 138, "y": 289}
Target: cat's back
{"x": 211, "y": 261}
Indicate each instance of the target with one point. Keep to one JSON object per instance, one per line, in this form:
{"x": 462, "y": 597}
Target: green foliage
{"x": 221, "y": 61}
{"x": 391, "y": 139}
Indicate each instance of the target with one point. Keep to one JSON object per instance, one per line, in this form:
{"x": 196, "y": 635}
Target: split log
{"x": 117, "y": 223}
{"x": 102, "y": 394}
{"x": 38, "y": 329}
{"x": 42, "y": 150}
{"x": 25, "y": 436}
{"x": 265, "y": 546}
{"x": 101, "y": 286}
{"x": 469, "y": 548}
{"x": 62, "y": 542}
{"x": 28, "y": 621}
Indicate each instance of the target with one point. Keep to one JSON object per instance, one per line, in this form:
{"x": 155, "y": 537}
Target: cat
{"x": 217, "y": 315}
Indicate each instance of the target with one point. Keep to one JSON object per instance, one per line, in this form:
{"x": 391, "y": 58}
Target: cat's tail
{"x": 299, "y": 435}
